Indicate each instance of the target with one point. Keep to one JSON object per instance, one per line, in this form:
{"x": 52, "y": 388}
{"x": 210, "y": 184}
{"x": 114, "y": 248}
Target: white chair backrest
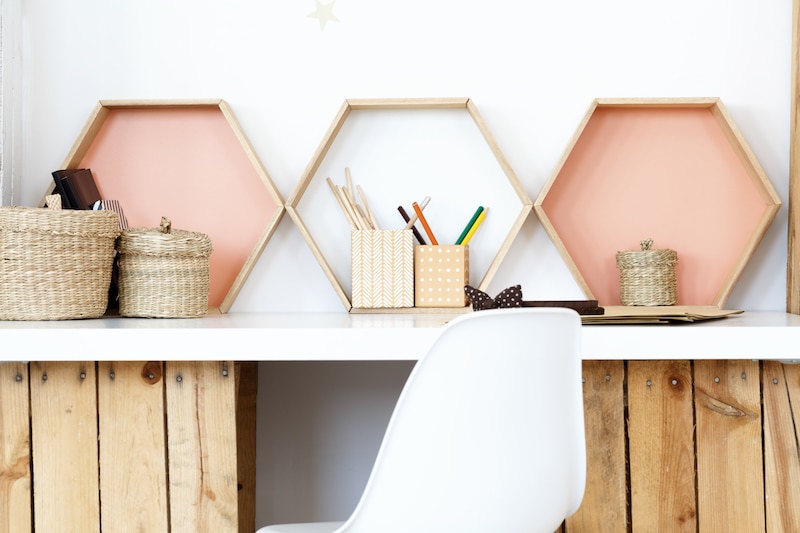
{"x": 487, "y": 435}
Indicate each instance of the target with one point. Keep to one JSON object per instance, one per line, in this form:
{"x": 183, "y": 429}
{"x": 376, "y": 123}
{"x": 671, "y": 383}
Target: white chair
{"x": 487, "y": 435}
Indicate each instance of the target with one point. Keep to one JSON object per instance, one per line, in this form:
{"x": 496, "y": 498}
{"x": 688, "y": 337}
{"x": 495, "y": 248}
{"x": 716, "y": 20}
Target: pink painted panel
{"x": 184, "y": 163}
{"x": 669, "y": 174}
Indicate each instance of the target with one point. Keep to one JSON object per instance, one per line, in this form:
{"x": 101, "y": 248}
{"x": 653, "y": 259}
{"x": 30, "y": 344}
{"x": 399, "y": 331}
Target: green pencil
{"x": 469, "y": 224}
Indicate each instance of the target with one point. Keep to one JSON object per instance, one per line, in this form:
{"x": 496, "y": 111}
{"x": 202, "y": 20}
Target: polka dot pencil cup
{"x": 440, "y": 273}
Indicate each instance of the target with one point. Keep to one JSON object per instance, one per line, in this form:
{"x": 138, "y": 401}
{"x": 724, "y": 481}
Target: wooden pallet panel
{"x": 133, "y": 472}
{"x": 64, "y": 442}
{"x": 781, "y": 453}
{"x": 246, "y": 399}
{"x": 730, "y": 480}
{"x": 660, "y": 430}
{"x": 15, "y": 460}
{"x": 604, "y": 506}
{"x": 201, "y": 430}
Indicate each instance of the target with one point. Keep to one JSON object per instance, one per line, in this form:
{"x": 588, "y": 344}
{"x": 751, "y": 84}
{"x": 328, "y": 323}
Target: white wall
{"x": 531, "y": 67}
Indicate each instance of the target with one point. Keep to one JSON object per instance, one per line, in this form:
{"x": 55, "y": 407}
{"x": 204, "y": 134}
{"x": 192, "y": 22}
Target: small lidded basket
{"x": 647, "y": 276}
{"x": 163, "y": 272}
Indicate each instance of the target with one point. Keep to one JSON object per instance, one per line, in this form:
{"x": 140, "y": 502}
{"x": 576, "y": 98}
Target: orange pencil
{"x": 424, "y": 223}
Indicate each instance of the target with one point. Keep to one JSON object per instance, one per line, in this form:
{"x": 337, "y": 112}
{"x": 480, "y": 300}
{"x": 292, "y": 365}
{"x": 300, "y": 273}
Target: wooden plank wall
{"x": 90, "y": 447}
{"x": 704, "y": 446}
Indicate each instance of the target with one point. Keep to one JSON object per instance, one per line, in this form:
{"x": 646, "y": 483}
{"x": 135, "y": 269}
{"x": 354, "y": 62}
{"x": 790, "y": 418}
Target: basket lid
{"x": 647, "y": 256}
{"x": 164, "y": 241}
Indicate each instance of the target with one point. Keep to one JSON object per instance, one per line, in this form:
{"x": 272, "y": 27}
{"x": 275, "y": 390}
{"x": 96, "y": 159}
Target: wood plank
{"x": 793, "y": 265}
{"x": 781, "y": 453}
{"x": 15, "y": 460}
{"x": 64, "y": 443}
{"x": 605, "y": 501}
{"x": 730, "y": 476}
{"x": 661, "y": 444}
{"x": 246, "y": 396}
{"x": 133, "y": 471}
{"x": 201, "y": 435}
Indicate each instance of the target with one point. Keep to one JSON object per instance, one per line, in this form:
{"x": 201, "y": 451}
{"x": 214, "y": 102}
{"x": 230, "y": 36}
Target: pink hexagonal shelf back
{"x": 187, "y": 160}
{"x": 677, "y": 171}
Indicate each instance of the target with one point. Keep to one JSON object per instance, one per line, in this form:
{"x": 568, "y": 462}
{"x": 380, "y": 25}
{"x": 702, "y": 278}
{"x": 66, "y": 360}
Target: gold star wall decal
{"x": 324, "y": 13}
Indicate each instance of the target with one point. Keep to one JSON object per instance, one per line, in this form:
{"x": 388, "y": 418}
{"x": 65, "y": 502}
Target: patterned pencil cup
{"x": 647, "y": 277}
{"x": 440, "y": 273}
{"x": 382, "y": 268}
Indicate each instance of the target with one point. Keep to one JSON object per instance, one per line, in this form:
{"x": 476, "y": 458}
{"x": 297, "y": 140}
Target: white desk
{"x": 342, "y": 336}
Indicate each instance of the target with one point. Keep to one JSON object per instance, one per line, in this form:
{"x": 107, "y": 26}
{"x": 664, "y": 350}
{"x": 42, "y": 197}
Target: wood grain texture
{"x": 201, "y": 435}
{"x": 64, "y": 443}
{"x": 661, "y": 446}
{"x": 605, "y": 501}
{"x": 793, "y": 265}
{"x": 781, "y": 453}
{"x": 133, "y": 471}
{"x": 15, "y": 460}
{"x": 246, "y": 399}
{"x": 730, "y": 476}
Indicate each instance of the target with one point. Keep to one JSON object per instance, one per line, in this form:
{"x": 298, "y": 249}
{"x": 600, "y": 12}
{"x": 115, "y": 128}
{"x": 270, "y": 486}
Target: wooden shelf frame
{"x": 309, "y": 174}
{"x": 793, "y": 252}
{"x": 215, "y": 218}
{"x": 764, "y": 199}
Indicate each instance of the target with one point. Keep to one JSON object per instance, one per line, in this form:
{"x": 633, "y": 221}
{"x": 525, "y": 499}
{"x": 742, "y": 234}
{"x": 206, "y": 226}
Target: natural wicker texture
{"x": 163, "y": 274}
{"x": 55, "y": 264}
{"x": 647, "y": 277}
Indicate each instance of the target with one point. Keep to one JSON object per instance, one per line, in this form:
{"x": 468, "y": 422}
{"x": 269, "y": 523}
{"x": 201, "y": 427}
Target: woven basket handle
{"x": 646, "y": 244}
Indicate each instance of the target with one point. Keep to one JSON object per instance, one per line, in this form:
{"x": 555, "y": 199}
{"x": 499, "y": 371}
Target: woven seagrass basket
{"x": 647, "y": 276}
{"x": 55, "y": 264}
{"x": 163, "y": 272}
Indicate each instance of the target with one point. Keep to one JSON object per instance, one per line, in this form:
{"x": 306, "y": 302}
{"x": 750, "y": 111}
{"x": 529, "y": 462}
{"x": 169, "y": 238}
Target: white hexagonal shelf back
{"x": 400, "y": 151}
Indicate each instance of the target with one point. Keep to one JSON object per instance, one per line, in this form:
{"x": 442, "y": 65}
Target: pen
{"x": 469, "y": 224}
{"x": 424, "y": 223}
{"x": 413, "y": 228}
{"x": 474, "y": 227}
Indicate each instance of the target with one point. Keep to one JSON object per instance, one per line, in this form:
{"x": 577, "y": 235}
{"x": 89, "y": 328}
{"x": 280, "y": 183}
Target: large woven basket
{"x": 163, "y": 272}
{"x": 647, "y": 277}
{"x": 55, "y": 264}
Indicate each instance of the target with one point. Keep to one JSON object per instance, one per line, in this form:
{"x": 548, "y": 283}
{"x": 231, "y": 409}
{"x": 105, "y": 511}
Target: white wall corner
{"x": 10, "y": 100}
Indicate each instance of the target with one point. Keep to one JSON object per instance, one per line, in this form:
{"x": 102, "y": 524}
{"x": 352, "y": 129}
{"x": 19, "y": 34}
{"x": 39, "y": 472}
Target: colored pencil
{"x": 474, "y": 227}
{"x": 469, "y": 224}
{"x": 414, "y": 229}
{"x": 414, "y": 217}
{"x": 424, "y": 223}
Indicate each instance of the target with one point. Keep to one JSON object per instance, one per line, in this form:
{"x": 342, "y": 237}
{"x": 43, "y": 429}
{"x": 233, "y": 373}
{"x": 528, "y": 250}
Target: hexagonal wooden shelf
{"x": 187, "y": 160}
{"x": 677, "y": 171}
{"x": 416, "y": 147}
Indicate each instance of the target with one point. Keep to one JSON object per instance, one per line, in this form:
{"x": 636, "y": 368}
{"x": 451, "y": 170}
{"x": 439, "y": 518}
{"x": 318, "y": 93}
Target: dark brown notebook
{"x": 81, "y": 188}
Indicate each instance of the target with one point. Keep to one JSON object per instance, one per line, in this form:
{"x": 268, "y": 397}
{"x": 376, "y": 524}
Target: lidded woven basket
{"x": 647, "y": 276}
{"x": 163, "y": 272}
{"x": 55, "y": 264}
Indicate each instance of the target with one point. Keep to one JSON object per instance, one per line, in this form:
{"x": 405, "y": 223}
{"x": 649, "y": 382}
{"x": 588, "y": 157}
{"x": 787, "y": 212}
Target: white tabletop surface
{"x": 343, "y": 336}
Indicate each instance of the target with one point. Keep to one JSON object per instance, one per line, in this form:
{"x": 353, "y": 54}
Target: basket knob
{"x": 166, "y": 225}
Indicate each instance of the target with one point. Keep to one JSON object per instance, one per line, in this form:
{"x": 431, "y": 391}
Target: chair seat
{"x": 314, "y": 527}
